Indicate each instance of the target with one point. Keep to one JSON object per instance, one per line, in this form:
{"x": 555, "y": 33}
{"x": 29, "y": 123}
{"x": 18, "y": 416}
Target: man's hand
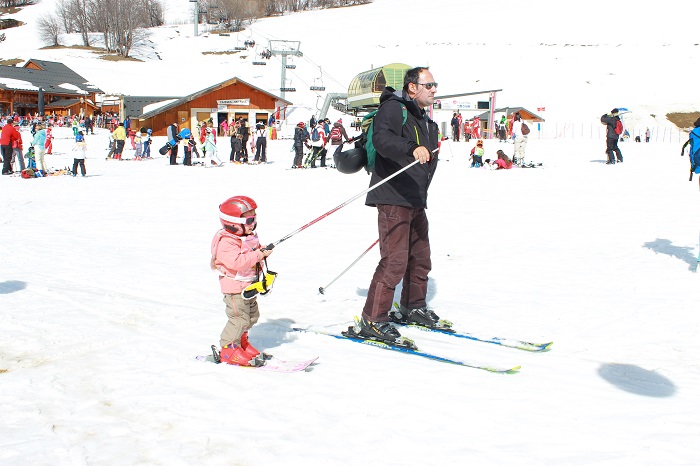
{"x": 422, "y": 154}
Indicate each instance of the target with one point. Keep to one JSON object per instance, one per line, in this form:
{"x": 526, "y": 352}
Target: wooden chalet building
{"x": 230, "y": 99}
{"x": 45, "y": 87}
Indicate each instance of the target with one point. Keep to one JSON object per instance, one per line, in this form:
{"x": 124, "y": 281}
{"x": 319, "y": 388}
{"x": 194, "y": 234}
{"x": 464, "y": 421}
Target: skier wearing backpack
{"x": 318, "y": 144}
{"x": 401, "y": 202}
{"x": 694, "y": 142}
{"x": 614, "y": 130}
{"x": 338, "y": 134}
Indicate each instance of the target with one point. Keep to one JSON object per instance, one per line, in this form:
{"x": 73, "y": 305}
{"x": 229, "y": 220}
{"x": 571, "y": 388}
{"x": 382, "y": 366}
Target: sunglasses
{"x": 429, "y": 85}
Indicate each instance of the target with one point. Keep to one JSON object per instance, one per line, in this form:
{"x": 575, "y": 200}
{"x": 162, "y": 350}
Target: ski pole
{"x": 322, "y": 289}
{"x": 335, "y": 209}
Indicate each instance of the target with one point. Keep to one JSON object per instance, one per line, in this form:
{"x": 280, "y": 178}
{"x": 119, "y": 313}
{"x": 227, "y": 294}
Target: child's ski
{"x": 270, "y": 364}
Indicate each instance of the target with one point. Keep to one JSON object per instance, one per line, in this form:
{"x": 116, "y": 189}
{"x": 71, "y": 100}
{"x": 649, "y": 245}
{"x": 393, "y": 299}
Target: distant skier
{"x": 80, "y": 150}
{"x": 172, "y": 134}
{"x": 210, "y": 148}
{"x": 694, "y": 142}
{"x": 613, "y": 132}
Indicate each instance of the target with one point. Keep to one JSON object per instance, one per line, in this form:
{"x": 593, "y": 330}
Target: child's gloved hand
{"x": 262, "y": 287}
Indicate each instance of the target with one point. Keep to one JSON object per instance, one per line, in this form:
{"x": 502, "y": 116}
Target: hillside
{"x": 571, "y": 60}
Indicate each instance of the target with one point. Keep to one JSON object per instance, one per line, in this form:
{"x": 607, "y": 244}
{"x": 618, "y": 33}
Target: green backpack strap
{"x": 368, "y": 130}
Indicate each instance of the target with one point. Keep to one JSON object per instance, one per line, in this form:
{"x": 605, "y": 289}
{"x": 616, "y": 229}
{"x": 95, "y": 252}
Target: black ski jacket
{"x": 301, "y": 135}
{"x": 395, "y": 143}
{"x": 610, "y": 121}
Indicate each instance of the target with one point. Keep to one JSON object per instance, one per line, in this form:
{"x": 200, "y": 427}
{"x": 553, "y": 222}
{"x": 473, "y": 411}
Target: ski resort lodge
{"x": 230, "y": 99}
{"x": 45, "y": 87}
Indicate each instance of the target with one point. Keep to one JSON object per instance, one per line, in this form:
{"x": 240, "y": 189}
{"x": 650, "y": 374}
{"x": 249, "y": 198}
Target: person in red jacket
{"x": 8, "y": 136}
{"x": 17, "y": 148}
{"x": 49, "y": 138}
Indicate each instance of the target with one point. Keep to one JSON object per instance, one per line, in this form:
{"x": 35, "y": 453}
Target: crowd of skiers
{"x": 316, "y": 138}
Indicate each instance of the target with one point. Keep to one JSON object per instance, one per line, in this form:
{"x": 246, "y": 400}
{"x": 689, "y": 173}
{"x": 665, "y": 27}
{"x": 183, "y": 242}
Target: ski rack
{"x": 288, "y": 89}
{"x": 317, "y": 88}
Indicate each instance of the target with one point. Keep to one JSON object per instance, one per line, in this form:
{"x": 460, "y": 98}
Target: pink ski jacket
{"x": 234, "y": 258}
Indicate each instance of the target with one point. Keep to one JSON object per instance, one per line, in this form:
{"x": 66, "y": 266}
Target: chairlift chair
{"x": 318, "y": 83}
{"x": 258, "y": 61}
{"x": 288, "y": 89}
{"x": 238, "y": 47}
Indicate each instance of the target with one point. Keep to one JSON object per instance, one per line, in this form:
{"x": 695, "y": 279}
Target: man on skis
{"x": 401, "y": 203}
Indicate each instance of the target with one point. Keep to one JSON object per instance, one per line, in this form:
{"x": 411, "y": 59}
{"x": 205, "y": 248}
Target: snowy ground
{"x": 107, "y": 297}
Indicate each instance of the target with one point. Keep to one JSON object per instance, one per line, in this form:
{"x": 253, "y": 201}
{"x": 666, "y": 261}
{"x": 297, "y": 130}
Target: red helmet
{"x": 232, "y": 209}
{"x": 301, "y": 124}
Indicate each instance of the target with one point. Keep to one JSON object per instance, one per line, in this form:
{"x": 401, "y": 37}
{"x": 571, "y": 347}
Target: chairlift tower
{"x": 196, "y": 15}
{"x": 285, "y": 48}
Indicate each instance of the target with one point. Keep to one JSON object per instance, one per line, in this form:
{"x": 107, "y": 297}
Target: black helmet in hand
{"x": 350, "y": 161}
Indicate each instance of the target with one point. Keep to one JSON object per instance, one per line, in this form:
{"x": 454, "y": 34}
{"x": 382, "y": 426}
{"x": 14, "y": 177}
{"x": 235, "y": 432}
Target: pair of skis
{"x": 410, "y": 348}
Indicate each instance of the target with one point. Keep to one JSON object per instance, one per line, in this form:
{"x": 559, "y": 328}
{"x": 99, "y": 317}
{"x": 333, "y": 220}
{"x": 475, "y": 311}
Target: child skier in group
{"x": 136, "y": 139}
{"x": 146, "y": 143}
{"x": 477, "y": 154}
{"x": 191, "y": 144}
{"x": 238, "y": 258}
{"x": 236, "y": 147}
{"x": 80, "y": 149}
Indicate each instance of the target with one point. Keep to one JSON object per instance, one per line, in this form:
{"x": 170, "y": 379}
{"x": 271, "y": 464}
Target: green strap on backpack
{"x": 367, "y": 126}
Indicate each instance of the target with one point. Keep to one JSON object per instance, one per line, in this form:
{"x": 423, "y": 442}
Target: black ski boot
{"x": 421, "y": 316}
{"x": 383, "y": 332}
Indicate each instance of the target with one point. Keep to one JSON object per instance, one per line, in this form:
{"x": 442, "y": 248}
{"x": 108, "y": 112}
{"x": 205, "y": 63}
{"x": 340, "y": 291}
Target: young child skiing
{"x": 238, "y": 258}
{"x": 146, "y": 143}
{"x": 136, "y": 139}
{"x": 191, "y": 144}
{"x": 79, "y": 159}
{"x": 477, "y": 153}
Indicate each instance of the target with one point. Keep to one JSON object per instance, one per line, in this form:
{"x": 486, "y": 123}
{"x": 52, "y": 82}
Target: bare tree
{"x": 122, "y": 23}
{"x": 79, "y": 12}
{"x": 50, "y": 28}
{"x": 63, "y": 13}
{"x": 127, "y": 26}
{"x": 154, "y": 13}
{"x": 237, "y": 12}
{"x": 11, "y": 3}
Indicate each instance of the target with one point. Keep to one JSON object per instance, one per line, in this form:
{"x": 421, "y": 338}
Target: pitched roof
{"x": 53, "y": 77}
{"x": 510, "y": 110}
{"x": 64, "y": 103}
{"x": 206, "y": 91}
{"x": 134, "y": 105}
